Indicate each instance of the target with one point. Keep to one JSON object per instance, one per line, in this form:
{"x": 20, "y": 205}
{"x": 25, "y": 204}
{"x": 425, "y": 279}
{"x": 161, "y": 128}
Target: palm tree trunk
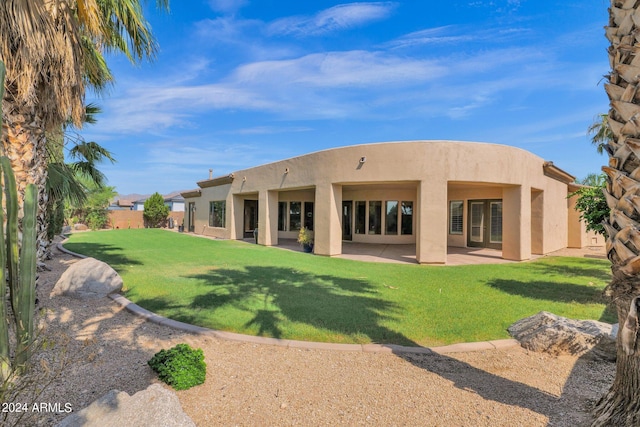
{"x": 621, "y": 405}
{"x": 23, "y": 142}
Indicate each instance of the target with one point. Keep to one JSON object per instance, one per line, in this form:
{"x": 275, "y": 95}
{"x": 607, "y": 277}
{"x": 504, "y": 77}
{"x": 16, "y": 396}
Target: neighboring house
{"x": 138, "y": 205}
{"x": 120, "y": 204}
{"x": 175, "y": 201}
{"x": 433, "y": 194}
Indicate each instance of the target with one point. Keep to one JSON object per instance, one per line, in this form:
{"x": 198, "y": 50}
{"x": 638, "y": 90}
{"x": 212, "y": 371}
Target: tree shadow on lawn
{"x": 273, "y": 295}
{"x": 112, "y": 255}
{"x": 578, "y": 267}
{"x": 556, "y": 292}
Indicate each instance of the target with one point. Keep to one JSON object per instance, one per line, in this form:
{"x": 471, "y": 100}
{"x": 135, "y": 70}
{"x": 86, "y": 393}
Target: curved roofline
{"x": 426, "y": 141}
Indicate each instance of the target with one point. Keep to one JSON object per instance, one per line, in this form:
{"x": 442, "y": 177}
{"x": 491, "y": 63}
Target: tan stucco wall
{"x": 429, "y": 173}
{"x": 578, "y": 236}
{"x": 555, "y": 215}
{"x": 201, "y": 223}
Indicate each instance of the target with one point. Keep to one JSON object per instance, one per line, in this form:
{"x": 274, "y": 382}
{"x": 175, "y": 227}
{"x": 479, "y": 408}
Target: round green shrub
{"x": 181, "y": 367}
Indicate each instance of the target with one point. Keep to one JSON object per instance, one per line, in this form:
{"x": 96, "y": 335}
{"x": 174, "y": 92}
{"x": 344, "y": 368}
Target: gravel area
{"x": 253, "y": 384}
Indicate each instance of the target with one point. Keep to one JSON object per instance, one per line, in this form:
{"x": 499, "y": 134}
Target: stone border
{"x": 366, "y": 348}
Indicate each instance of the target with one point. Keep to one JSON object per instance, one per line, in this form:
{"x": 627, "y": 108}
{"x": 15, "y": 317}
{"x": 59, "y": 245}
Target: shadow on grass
{"x": 557, "y": 292}
{"x": 571, "y": 267}
{"x": 549, "y": 291}
{"x": 112, "y": 255}
{"x": 276, "y": 295}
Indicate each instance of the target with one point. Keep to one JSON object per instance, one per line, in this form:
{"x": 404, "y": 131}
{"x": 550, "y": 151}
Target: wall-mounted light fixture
{"x": 244, "y": 179}
{"x": 286, "y": 170}
{"x": 363, "y": 159}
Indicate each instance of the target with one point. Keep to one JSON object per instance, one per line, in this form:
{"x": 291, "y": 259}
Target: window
{"x": 282, "y": 216}
{"x": 455, "y": 216}
{"x": 217, "y": 212}
{"x": 294, "y": 215}
{"x": 391, "y": 218}
{"x": 375, "y": 217}
{"x": 361, "y": 217}
{"x": 406, "y": 224}
{"x": 308, "y": 215}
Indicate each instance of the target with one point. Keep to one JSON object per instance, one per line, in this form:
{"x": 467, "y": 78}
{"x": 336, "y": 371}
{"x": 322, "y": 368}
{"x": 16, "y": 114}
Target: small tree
{"x": 93, "y": 211}
{"x": 155, "y": 211}
{"x": 592, "y": 203}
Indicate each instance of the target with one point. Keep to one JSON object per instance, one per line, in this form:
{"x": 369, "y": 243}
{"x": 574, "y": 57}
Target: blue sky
{"x": 239, "y": 83}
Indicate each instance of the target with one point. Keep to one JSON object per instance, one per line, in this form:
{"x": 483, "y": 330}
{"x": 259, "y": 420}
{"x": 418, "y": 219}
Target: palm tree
{"x": 52, "y": 51}
{"x": 601, "y": 132}
{"x": 67, "y": 182}
{"x": 621, "y": 405}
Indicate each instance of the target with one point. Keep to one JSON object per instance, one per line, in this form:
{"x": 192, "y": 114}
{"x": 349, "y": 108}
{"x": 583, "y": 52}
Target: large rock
{"x": 548, "y": 333}
{"x": 88, "y": 278}
{"x": 153, "y": 407}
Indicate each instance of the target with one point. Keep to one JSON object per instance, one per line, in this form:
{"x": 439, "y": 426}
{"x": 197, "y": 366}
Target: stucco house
{"x": 434, "y": 194}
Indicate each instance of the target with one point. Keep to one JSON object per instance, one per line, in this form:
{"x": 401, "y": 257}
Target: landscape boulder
{"x": 556, "y": 335}
{"x": 88, "y": 278}
{"x": 154, "y": 407}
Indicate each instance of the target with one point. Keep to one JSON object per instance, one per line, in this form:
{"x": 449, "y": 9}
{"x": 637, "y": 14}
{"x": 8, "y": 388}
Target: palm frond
{"x": 91, "y": 151}
{"x": 601, "y": 131}
{"x": 88, "y": 170}
{"x": 62, "y": 184}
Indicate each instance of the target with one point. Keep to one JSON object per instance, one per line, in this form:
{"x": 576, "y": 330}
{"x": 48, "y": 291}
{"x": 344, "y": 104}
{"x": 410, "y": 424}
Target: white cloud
{"x": 336, "y": 84}
{"x": 452, "y": 35}
{"x": 339, "y": 69}
{"x": 336, "y": 18}
{"x": 226, "y": 28}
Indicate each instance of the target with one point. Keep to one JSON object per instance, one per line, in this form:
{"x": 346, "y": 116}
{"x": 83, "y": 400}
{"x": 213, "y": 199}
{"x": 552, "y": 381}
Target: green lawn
{"x": 251, "y": 289}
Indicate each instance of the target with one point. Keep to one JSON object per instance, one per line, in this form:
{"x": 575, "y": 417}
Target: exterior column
{"x": 537, "y": 222}
{"x": 327, "y": 220}
{"x": 268, "y": 218}
{"x": 516, "y": 223}
{"x": 431, "y": 222}
{"x": 237, "y": 217}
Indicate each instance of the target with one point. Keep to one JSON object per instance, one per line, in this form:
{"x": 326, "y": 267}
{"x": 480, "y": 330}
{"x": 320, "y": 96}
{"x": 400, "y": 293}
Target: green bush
{"x": 181, "y": 367}
{"x": 155, "y": 211}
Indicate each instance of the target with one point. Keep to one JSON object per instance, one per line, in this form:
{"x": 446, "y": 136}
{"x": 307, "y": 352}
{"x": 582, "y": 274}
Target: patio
{"x": 407, "y": 253}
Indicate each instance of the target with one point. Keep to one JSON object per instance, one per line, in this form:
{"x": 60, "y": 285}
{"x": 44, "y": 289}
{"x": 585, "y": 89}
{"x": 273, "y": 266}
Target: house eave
{"x": 191, "y": 194}
{"x": 552, "y": 171}
{"x": 214, "y": 182}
